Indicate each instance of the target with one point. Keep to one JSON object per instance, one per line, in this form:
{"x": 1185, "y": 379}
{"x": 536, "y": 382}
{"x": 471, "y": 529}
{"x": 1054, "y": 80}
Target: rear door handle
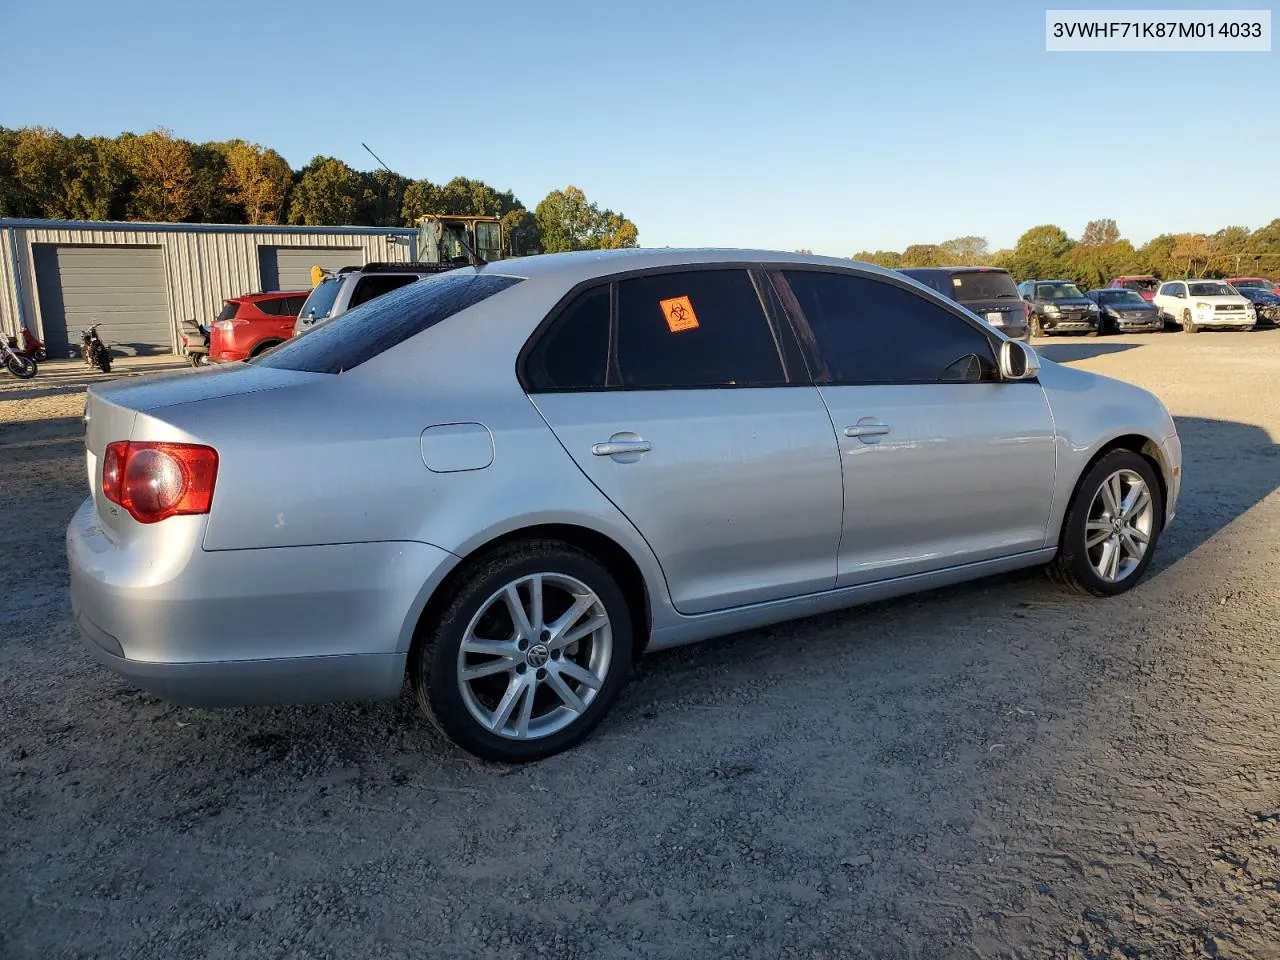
{"x": 614, "y": 448}
{"x": 867, "y": 430}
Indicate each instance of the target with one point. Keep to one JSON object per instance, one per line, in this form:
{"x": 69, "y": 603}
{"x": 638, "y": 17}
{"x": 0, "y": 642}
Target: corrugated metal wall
{"x": 204, "y": 263}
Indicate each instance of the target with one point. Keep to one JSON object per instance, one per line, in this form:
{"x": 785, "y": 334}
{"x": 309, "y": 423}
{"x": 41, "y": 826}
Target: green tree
{"x": 163, "y": 176}
{"x": 966, "y": 250}
{"x": 327, "y": 193}
{"x": 1100, "y": 233}
{"x": 1156, "y": 257}
{"x": 884, "y": 258}
{"x": 257, "y": 181}
{"x": 924, "y": 255}
{"x": 382, "y": 199}
{"x": 212, "y": 202}
{"x": 568, "y": 221}
{"x": 420, "y": 198}
{"x": 64, "y": 178}
{"x": 1041, "y": 253}
{"x": 520, "y": 232}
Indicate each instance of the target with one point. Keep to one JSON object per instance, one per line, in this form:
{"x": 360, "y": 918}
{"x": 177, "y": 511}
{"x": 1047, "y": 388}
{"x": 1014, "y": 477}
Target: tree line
{"x": 1100, "y": 254}
{"x": 156, "y": 176}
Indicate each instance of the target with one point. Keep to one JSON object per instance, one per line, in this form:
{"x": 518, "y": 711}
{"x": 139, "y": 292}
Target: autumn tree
{"x": 1191, "y": 249}
{"x": 163, "y": 176}
{"x": 568, "y": 221}
{"x": 63, "y": 178}
{"x": 1098, "y": 233}
{"x": 258, "y": 181}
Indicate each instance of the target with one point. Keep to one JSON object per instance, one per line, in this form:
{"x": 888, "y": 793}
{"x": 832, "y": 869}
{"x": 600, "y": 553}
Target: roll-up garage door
{"x": 122, "y": 288}
{"x": 289, "y": 268}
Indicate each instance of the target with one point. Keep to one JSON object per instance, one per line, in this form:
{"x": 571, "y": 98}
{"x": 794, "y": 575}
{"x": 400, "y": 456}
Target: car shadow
{"x": 1071, "y": 352}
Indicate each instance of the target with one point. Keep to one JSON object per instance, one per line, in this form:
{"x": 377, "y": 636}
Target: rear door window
{"x": 381, "y": 324}
{"x": 697, "y": 328}
{"x": 573, "y": 353}
{"x": 228, "y": 310}
{"x": 873, "y": 331}
{"x": 376, "y": 284}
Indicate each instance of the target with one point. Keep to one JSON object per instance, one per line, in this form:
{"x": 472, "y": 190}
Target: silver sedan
{"x": 505, "y": 483}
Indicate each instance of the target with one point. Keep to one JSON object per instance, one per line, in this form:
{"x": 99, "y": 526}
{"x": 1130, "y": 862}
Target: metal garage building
{"x": 141, "y": 280}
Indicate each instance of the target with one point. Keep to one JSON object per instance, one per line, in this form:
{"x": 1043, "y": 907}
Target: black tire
{"x": 40, "y": 354}
{"x": 433, "y": 661}
{"x": 1037, "y": 330}
{"x": 104, "y": 360}
{"x": 1188, "y": 325}
{"x": 264, "y": 347}
{"x": 21, "y": 366}
{"x": 1072, "y": 567}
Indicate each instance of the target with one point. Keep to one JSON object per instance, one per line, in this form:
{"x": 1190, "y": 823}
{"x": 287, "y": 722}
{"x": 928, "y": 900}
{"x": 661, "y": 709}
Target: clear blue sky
{"x": 832, "y": 126}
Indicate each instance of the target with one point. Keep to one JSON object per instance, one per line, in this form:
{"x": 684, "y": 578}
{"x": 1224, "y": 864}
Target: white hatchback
{"x": 1204, "y": 303}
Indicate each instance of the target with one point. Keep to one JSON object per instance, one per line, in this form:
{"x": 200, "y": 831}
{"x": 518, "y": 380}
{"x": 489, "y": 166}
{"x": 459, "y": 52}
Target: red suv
{"x": 255, "y": 322}
{"x": 1144, "y": 285}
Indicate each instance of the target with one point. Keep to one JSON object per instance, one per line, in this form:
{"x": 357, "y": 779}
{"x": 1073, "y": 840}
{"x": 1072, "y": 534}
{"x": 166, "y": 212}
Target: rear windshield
{"x": 983, "y": 285}
{"x": 1121, "y": 297}
{"x": 228, "y": 310}
{"x": 320, "y": 302}
{"x": 368, "y": 330}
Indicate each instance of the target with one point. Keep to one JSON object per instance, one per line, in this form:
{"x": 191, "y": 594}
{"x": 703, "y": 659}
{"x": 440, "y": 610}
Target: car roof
{"x": 948, "y": 271}
{"x": 573, "y": 268}
{"x": 1135, "y": 276}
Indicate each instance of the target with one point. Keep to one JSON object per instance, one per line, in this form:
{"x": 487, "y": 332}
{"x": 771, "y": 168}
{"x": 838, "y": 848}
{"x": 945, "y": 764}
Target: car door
{"x": 944, "y": 464}
{"x": 683, "y": 401}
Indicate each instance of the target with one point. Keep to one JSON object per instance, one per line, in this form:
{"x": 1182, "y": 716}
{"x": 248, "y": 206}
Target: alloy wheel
{"x": 535, "y": 656}
{"x": 1119, "y": 526}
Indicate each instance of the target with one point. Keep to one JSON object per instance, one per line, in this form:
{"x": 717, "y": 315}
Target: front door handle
{"x": 624, "y": 446}
{"x": 867, "y": 430}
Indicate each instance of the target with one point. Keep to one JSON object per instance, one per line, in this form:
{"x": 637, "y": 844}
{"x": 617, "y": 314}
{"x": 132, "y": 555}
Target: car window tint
{"x": 375, "y": 285}
{"x": 292, "y": 305}
{"x": 872, "y": 331}
{"x": 228, "y": 310}
{"x": 573, "y": 353}
{"x": 363, "y": 333}
{"x": 698, "y": 328}
{"x": 319, "y": 302}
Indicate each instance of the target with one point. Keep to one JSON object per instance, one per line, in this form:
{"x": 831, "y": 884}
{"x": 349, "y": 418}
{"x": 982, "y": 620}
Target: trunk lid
{"x": 112, "y": 412}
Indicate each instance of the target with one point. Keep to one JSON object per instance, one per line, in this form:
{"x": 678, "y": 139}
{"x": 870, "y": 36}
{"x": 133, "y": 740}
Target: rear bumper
{"x": 229, "y": 627}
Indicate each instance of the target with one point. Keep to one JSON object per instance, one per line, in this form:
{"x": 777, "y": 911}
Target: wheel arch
{"x": 264, "y": 345}
{"x": 1138, "y": 443}
{"x": 612, "y": 556}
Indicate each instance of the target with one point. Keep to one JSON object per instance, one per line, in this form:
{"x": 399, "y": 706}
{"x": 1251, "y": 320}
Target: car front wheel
{"x": 530, "y": 651}
{"x": 1111, "y": 527}
{"x": 1188, "y": 324}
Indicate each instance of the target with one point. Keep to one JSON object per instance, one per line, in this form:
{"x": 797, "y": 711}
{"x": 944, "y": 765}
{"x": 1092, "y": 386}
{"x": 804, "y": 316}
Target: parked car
{"x": 1124, "y": 311}
{"x": 987, "y": 291}
{"x": 1266, "y": 305}
{"x": 511, "y": 481}
{"x": 1271, "y": 286}
{"x": 248, "y": 325}
{"x": 1144, "y": 285}
{"x": 1058, "y": 306}
{"x": 1193, "y": 304}
{"x": 352, "y": 286}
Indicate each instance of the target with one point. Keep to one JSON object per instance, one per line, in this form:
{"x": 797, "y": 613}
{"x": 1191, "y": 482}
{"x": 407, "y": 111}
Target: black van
{"x": 987, "y": 291}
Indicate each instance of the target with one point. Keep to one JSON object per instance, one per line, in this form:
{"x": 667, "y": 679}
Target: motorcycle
{"x": 195, "y": 342}
{"x": 19, "y": 364}
{"x": 33, "y": 346}
{"x": 93, "y": 350}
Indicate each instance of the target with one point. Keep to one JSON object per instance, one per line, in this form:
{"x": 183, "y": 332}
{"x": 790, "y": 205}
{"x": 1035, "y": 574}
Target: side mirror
{"x": 1018, "y": 361}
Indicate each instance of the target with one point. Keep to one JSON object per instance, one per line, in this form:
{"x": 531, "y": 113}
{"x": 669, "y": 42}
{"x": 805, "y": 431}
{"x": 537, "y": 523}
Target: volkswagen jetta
{"x": 506, "y": 483}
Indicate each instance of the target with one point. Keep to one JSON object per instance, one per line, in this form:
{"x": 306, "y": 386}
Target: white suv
{"x": 352, "y": 286}
{"x": 1204, "y": 303}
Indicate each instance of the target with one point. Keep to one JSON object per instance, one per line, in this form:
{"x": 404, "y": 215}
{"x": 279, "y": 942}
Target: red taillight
{"x": 158, "y": 480}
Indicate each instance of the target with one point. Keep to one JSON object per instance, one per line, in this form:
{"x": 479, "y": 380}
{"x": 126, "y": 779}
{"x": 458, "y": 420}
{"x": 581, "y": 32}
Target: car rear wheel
{"x": 1188, "y": 325}
{"x": 264, "y": 347}
{"x": 1111, "y": 527}
{"x": 530, "y": 651}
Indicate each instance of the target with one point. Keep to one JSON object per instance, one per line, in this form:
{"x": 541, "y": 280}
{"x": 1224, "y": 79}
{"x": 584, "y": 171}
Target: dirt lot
{"x": 996, "y": 769}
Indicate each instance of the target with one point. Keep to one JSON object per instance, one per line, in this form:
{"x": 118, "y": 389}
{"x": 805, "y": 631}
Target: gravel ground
{"x": 991, "y": 770}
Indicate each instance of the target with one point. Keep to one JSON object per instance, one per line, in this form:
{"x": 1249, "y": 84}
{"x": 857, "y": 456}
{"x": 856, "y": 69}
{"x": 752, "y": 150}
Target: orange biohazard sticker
{"x": 679, "y": 314}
